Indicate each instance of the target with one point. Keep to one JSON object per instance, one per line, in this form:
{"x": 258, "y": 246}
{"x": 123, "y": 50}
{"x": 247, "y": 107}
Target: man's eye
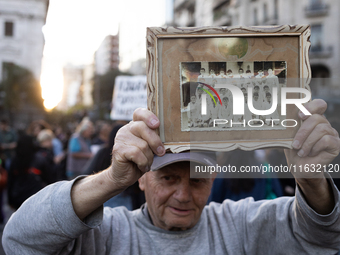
{"x": 167, "y": 178}
{"x": 196, "y": 180}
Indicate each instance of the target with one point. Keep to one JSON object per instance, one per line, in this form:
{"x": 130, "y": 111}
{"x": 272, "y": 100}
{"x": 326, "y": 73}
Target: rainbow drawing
{"x": 213, "y": 90}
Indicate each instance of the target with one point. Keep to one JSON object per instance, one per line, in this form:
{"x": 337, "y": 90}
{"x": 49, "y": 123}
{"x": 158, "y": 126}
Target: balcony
{"x": 316, "y": 10}
{"x": 320, "y": 51}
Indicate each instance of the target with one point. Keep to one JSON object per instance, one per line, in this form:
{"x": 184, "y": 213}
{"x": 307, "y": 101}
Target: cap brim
{"x": 204, "y": 158}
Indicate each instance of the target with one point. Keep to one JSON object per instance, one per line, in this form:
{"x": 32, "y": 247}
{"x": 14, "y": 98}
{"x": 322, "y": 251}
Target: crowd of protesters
{"x": 43, "y": 154}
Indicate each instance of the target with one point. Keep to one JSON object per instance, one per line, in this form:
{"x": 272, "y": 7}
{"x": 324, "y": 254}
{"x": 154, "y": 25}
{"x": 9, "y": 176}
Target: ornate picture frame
{"x": 177, "y": 59}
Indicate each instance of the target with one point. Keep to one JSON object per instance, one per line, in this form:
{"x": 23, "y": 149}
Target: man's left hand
{"x": 316, "y": 142}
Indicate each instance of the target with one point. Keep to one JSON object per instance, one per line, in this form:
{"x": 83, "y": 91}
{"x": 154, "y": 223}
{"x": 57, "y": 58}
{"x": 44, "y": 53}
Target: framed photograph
{"x": 226, "y": 88}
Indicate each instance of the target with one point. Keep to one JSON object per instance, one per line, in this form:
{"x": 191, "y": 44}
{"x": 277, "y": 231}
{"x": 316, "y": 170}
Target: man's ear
{"x": 141, "y": 182}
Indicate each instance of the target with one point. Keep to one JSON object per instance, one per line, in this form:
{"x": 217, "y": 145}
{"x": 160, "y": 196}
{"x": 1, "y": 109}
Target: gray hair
{"x": 84, "y": 125}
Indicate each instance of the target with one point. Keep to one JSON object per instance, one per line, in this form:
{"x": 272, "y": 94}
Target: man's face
{"x": 202, "y": 71}
{"x": 193, "y": 99}
{"x": 175, "y": 202}
{"x": 222, "y": 72}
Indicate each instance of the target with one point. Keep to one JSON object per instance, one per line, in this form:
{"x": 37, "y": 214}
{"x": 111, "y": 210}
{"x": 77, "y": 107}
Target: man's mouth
{"x": 180, "y": 211}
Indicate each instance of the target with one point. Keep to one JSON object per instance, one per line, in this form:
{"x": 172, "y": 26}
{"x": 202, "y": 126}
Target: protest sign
{"x": 128, "y": 95}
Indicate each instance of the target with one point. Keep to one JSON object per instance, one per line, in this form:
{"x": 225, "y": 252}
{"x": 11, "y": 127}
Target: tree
{"x": 19, "y": 90}
{"x": 103, "y": 91}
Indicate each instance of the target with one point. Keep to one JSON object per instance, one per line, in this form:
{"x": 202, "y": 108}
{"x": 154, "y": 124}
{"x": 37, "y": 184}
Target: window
{"x": 265, "y": 12}
{"x": 9, "y": 28}
{"x": 255, "y": 17}
{"x": 316, "y": 38}
{"x": 276, "y": 9}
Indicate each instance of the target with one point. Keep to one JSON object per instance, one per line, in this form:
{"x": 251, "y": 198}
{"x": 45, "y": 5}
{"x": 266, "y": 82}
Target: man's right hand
{"x": 134, "y": 149}
{"x": 132, "y": 156}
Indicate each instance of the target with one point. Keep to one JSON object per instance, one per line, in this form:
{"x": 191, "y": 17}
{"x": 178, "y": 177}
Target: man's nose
{"x": 183, "y": 192}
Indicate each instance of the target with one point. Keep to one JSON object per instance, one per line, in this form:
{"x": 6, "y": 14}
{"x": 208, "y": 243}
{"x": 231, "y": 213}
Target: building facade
{"x": 107, "y": 55}
{"x": 322, "y": 15}
{"x": 21, "y": 37}
{"x": 73, "y": 79}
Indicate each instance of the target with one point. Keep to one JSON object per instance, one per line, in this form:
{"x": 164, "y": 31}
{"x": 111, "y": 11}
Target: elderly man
{"x": 68, "y": 218}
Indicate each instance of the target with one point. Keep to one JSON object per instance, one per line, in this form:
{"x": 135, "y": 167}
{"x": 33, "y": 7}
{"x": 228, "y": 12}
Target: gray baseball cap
{"x": 201, "y": 157}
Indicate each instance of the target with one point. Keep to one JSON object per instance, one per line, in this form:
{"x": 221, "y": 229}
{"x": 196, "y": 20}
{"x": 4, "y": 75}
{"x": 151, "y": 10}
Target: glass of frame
{"x": 204, "y": 84}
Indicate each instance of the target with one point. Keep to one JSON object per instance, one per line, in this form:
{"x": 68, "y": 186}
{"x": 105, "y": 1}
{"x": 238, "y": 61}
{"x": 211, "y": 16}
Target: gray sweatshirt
{"x": 47, "y": 224}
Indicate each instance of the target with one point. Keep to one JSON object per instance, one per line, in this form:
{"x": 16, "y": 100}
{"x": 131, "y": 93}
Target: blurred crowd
{"x": 43, "y": 154}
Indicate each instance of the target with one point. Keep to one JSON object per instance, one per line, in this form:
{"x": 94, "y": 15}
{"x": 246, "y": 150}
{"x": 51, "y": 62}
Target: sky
{"x": 75, "y": 28}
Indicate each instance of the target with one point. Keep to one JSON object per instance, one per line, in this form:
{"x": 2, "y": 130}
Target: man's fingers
{"x": 317, "y": 106}
{"x": 150, "y": 119}
{"x": 135, "y": 155}
{"x": 306, "y": 129}
{"x": 144, "y": 148}
{"x": 327, "y": 143}
{"x": 141, "y": 130}
{"x": 321, "y": 130}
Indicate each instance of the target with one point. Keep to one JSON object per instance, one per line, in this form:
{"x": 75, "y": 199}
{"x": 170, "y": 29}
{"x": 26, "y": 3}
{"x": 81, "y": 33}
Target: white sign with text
{"x": 128, "y": 95}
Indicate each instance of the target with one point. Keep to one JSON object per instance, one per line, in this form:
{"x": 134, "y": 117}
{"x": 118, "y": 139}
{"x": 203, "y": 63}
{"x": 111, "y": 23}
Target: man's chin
{"x": 180, "y": 223}
{"x": 179, "y": 226}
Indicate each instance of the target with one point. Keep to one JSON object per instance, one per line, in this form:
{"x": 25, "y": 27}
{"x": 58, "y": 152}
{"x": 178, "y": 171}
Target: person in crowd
{"x": 238, "y": 188}
{"x": 230, "y": 73}
{"x": 79, "y": 148}
{"x": 68, "y": 217}
{"x": 222, "y": 74}
{"x": 192, "y": 111}
{"x": 33, "y": 167}
{"x": 132, "y": 198}
{"x": 8, "y": 142}
{"x": 260, "y": 74}
{"x": 225, "y": 112}
{"x": 212, "y": 74}
{"x": 21, "y": 181}
{"x": 202, "y": 74}
{"x": 249, "y": 74}
{"x": 43, "y": 164}
{"x": 240, "y": 74}
{"x": 103, "y": 134}
{"x": 34, "y": 129}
